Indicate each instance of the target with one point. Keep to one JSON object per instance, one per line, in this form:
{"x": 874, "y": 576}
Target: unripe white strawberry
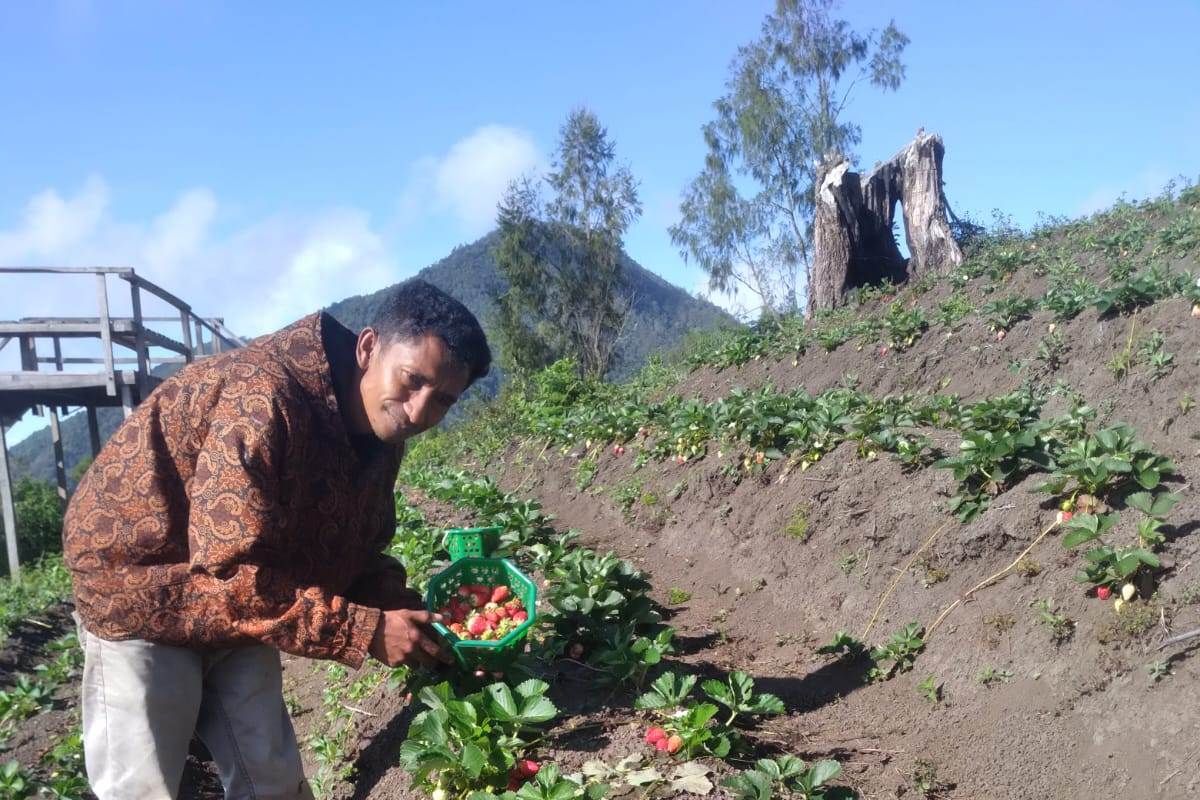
{"x": 1128, "y": 592}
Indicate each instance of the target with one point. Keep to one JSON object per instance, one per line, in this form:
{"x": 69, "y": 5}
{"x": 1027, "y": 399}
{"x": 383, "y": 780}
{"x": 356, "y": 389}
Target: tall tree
{"x": 562, "y": 257}
{"x": 746, "y": 219}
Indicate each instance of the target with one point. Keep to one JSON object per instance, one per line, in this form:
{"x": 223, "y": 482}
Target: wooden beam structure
{"x": 9, "y": 512}
{"x": 105, "y": 379}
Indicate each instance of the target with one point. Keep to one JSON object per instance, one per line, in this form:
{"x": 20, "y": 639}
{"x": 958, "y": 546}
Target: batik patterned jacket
{"x": 231, "y": 508}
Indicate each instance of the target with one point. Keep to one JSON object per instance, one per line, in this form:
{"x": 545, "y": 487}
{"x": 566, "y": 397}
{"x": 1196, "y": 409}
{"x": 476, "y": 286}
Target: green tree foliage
{"x": 746, "y": 218}
{"x": 39, "y": 520}
{"x": 562, "y": 258}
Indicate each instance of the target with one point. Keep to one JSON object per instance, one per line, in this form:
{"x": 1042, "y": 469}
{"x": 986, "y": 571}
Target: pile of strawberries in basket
{"x": 483, "y": 612}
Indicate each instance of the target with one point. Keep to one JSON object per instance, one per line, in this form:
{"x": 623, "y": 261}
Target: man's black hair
{"x": 414, "y": 308}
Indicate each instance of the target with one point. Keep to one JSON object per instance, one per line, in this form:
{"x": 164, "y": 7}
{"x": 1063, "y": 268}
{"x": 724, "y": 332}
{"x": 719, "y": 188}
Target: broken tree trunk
{"x": 853, "y": 243}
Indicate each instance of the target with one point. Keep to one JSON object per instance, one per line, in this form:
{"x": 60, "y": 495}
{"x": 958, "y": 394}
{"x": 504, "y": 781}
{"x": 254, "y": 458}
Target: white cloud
{"x": 258, "y": 277}
{"x": 180, "y": 232}
{"x": 52, "y": 224}
{"x": 469, "y": 179}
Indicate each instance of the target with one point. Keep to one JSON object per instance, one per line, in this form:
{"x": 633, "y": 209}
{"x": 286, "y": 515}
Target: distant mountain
{"x": 661, "y": 315}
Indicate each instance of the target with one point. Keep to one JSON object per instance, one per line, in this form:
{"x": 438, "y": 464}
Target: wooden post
{"x": 110, "y": 378}
{"x": 139, "y": 341}
{"x": 126, "y": 399}
{"x": 9, "y": 510}
{"x": 93, "y": 430}
{"x": 187, "y": 336}
{"x": 60, "y": 464}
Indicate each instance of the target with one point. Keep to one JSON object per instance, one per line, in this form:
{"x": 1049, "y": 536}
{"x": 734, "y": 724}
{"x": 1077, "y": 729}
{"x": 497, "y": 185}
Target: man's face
{"x": 407, "y": 385}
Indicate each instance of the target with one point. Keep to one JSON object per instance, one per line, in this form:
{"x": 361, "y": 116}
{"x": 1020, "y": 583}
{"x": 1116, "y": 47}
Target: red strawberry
{"x": 500, "y": 594}
{"x": 521, "y": 616}
{"x": 501, "y": 612}
{"x": 457, "y": 629}
{"x": 1103, "y": 592}
{"x": 674, "y": 743}
{"x": 477, "y": 625}
{"x": 655, "y": 735}
{"x": 492, "y": 618}
{"x": 661, "y": 745}
{"x": 529, "y": 767}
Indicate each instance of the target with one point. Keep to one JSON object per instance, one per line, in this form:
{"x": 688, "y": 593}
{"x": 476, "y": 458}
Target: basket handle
{"x": 471, "y": 542}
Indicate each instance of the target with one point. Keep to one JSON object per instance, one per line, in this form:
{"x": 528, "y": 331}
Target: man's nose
{"x": 420, "y": 408}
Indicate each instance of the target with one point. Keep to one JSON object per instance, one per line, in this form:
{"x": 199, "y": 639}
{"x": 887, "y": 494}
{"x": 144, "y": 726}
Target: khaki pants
{"x": 142, "y": 701}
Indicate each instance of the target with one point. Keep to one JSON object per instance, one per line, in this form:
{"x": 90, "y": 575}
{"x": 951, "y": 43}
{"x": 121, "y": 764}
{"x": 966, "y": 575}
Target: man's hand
{"x": 403, "y": 637}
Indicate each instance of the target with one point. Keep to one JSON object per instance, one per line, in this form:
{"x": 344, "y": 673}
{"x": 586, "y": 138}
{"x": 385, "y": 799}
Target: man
{"x": 241, "y": 510}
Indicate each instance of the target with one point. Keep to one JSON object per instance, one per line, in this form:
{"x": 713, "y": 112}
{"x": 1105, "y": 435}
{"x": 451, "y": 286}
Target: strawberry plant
{"x": 1083, "y": 528}
{"x": 1061, "y": 627}
{"x": 626, "y": 657}
{"x": 15, "y": 783}
{"x": 1104, "y": 566}
{"x": 899, "y": 652}
{"x": 844, "y": 646}
{"x": 903, "y": 326}
{"x": 953, "y": 310}
{"x": 788, "y": 776}
{"x": 460, "y": 744}
{"x": 1155, "y": 507}
{"x": 590, "y": 592}
{"x": 691, "y": 727}
{"x": 1102, "y": 462}
{"x": 930, "y": 689}
{"x": 668, "y": 691}
{"x": 737, "y": 694}
{"x": 1066, "y": 300}
{"x": 986, "y": 463}
{"x": 1001, "y": 315}
{"x": 1137, "y": 291}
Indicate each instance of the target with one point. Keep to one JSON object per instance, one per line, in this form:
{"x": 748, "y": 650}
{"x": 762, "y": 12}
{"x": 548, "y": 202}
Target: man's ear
{"x": 366, "y": 347}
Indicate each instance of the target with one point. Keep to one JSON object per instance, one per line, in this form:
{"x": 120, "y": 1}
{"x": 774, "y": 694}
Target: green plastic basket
{"x": 470, "y": 563}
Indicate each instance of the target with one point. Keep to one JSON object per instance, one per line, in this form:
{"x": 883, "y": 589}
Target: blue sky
{"x": 262, "y": 159}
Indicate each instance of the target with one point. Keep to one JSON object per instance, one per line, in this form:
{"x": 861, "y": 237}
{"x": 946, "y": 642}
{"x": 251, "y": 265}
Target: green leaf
{"x": 749, "y": 785}
{"x": 532, "y": 688}
{"x": 717, "y": 691}
{"x": 1148, "y": 478}
{"x": 502, "y": 700}
{"x": 473, "y": 760}
{"x": 1078, "y": 537}
{"x": 824, "y": 771}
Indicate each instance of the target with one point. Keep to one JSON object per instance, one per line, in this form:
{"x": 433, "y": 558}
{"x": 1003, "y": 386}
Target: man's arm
{"x": 384, "y": 584}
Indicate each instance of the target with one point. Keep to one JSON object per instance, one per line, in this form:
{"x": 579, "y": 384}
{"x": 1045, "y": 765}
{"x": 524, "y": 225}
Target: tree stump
{"x": 853, "y": 243}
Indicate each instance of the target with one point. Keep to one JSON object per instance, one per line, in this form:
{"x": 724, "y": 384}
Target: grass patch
{"x": 677, "y": 596}
{"x": 797, "y": 526}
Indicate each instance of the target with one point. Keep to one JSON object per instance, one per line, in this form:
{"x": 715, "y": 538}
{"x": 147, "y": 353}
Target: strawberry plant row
{"x": 476, "y": 742}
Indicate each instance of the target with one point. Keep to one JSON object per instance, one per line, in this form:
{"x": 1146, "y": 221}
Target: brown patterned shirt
{"x": 232, "y": 507}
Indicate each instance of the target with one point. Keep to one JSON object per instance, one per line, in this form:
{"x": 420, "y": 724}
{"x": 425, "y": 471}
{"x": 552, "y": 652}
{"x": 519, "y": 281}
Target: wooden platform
{"x": 120, "y": 374}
